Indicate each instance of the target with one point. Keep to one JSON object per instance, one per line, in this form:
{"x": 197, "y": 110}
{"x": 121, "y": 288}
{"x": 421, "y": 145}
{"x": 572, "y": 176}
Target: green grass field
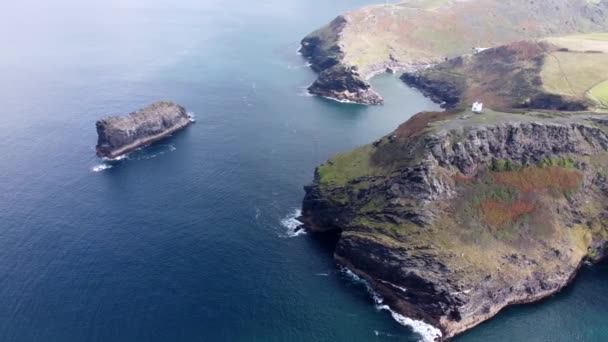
{"x": 574, "y": 73}
{"x": 600, "y": 93}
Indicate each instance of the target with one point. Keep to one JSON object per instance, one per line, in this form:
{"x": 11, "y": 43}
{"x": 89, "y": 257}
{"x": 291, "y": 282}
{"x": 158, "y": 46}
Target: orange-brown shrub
{"x": 497, "y": 213}
{"x": 459, "y": 178}
{"x": 537, "y": 178}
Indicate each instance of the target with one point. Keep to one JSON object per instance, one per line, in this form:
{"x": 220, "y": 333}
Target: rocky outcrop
{"x": 452, "y": 220}
{"x": 345, "y": 85}
{"x": 118, "y": 135}
{"x": 412, "y": 34}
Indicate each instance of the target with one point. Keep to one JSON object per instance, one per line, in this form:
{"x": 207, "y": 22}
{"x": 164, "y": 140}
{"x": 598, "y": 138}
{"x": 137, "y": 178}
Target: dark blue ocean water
{"x": 188, "y": 240}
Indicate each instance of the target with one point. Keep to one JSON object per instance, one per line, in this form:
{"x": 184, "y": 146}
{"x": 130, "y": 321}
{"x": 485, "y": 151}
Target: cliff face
{"x": 451, "y": 220}
{"x": 416, "y": 33}
{"x": 118, "y": 135}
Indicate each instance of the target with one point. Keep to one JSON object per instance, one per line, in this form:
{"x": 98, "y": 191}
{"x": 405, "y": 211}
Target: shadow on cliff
{"x": 326, "y": 242}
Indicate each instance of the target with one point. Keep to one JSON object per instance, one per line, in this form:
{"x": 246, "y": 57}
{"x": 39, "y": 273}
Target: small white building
{"x": 477, "y": 107}
{"x": 479, "y": 49}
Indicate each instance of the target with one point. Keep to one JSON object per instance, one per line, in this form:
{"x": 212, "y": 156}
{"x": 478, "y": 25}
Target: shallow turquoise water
{"x": 185, "y": 240}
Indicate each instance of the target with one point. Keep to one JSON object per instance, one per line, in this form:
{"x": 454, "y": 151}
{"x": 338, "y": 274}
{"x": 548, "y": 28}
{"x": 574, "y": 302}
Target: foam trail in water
{"x": 380, "y": 333}
{"x": 101, "y": 167}
{"x": 142, "y": 153}
{"x": 428, "y": 332}
{"x": 292, "y": 224}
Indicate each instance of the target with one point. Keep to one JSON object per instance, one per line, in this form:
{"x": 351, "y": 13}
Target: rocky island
{"x": 414, "y": 34}
{"x": 456, "y": 215}
{"x": 118, "y": 135}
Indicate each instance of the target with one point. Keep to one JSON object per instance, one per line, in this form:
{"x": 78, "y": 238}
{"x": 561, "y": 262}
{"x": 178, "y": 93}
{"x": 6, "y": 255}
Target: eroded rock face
{"x": 345, "y": 85}
{"x": 118, "y": 135}
{"x": 468, "y": 218}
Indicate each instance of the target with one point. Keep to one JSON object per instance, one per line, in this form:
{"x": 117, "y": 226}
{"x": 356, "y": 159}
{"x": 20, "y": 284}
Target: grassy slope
{"x": 376, "y": 33}
{"x": 579, "y": 70}
{"x": 600, "y": 94}
{"x": 515, "y": 74}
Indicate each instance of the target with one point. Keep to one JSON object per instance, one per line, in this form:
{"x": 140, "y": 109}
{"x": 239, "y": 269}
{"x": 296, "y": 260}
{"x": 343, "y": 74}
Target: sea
{"x": 193, "y": 238}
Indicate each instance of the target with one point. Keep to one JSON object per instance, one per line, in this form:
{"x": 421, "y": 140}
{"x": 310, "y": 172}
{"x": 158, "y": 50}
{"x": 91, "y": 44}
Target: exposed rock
{"x": 345, "y": 85}
{"x": 118, "y": 135}
{"x": 453, "y": 220}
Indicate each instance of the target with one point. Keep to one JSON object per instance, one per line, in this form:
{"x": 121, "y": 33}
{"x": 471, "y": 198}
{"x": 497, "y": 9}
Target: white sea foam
{"x": 258, "y": 212}
{"x": 339, "y": 101}
{"x": 124, "y": 156}
{"x": 191, "y": 116}
{"x": 303, "y": 91}
{"x": 299, "y": 66}
{"x": 292, "y": 224}
{"x": 322, "y": 274}
{"x": 380, "y": 333}
{"x": 151, "y": 152}
{"x": 142, "y": 153}
{"x": 428, "y": 332}
{"x": 101, "y": 167}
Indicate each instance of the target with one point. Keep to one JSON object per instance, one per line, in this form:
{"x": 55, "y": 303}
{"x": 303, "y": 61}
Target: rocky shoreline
{"x": 457, "y": 233}
{"x": 118, "y": 135}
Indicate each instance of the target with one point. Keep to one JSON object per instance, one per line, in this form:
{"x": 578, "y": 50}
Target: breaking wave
{"x": 428, "y": 332}
{"x": 293, "y": 226}
{"x": 303, "y": 91}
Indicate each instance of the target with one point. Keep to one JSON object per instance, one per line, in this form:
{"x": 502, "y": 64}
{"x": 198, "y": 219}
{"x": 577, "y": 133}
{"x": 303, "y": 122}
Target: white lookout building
{"x": 477, "y": 107}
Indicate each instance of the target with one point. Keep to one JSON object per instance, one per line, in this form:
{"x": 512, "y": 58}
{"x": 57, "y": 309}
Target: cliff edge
{"x": 450, "y": 220}
{"x": 118, "y": 135}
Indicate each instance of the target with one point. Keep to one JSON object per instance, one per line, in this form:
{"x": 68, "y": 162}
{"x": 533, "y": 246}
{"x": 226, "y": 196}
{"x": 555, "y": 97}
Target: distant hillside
{"x": 416, "y": 33}
{"x": 568, "y": 73}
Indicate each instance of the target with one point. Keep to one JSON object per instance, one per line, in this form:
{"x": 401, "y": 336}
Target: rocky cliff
{"x": 416, "y": 33}
{"x": 118, "y": 135}
{"x": 451, "y": 218}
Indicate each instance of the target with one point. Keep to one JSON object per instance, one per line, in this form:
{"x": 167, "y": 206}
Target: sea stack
{"x": 118, "y": 135}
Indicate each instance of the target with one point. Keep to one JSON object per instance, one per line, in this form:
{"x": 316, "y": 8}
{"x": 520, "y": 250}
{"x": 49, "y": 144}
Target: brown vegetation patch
{"x": 540, "y": 178}
{"x": 497, "y": 213}
{"x": 459, "y": 178}
{"x": 416, "y": 125}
